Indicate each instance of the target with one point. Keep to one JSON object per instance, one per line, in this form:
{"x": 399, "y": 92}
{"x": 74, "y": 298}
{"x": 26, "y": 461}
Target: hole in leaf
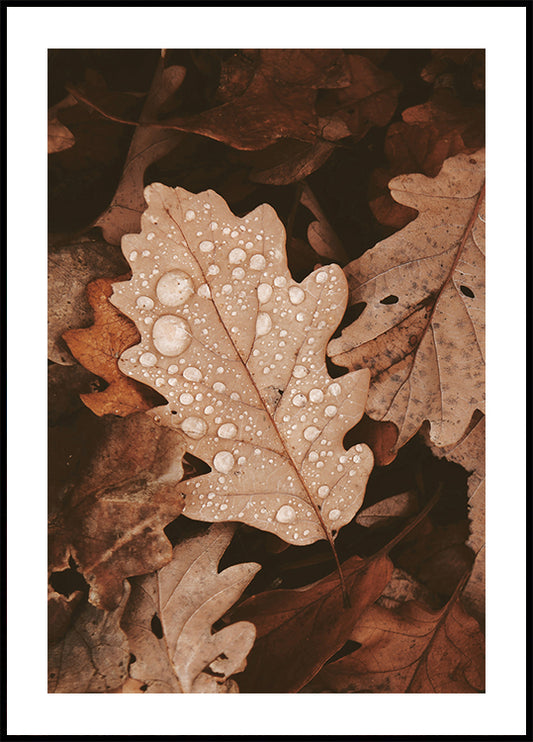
{"x": 143, "y": 687}
{"x": 467, "y": 292}
{"x": 193, "y": 466}
{"x": 133, "y": 659}
{"x": 156, "y": 626}
{"x": 69, "y": 580}
{"x": 391, "y": 299}
{"x": 348, "y": 648}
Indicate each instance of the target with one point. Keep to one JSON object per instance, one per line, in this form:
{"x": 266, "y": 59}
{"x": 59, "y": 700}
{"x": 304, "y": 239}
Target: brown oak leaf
{"x": 98, "y": 348}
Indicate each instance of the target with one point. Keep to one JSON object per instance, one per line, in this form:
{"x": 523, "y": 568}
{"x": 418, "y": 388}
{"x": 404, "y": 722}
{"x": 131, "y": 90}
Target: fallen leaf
{"x": 469, "y": 452}
{"x": 320, "y": 233}
{"x": 381, "y": 513}
{"x": 59, "y": 137}
{"x": 380, "y": 437}
{"x": 65, "y": 384}
{"x": 93, "y": 656}
{"x": 169, "y": 618}
{"x": 410, "y": 650}
{"x": 287, "y": 161}
{"x": 237, "y": 348}
{"x": 70, "y": 268}
{"x": 277, "y": 102}
{"x": 421, "y": 333}
{"x": 111, "y": 518}
{"x": 61, "y": 610}
{"x": 148, "y": 145}
{"x": 98, "y": 348}
{"x": 402, "y": 588}
{"x": 299, "y": 630}
{"x": 369, "y": 100}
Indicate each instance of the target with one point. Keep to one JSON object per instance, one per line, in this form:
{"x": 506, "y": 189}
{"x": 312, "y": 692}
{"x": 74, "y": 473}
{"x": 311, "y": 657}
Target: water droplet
{"x": 299, "y": 372}
{"x": 204, "y": 291}
{"x": 213, "y": 270}
{"x": 194, "y": 427}
{"x": 238, "y": 273}
{"x": 186, "y": 398}
{"x": 174, "y": 288}
{"x": 237, "y": 255}
{"x": 206, "y": 246}
{"x": 209, "y": 410}
{"x": 334, "y": 514}
{"x": 311, "y": 433}
{"x": 147, "y": 359}
{"x": 286, "y": 514}
{"x": 192, "y": 374}
{"x": 189, "y": 215}
{"x": 316, "y": 395}
{"x": 296, "y": 295}
{"x": 234, "y": 233}
{"x": 257, "y": 262}
{"x": 300, "y": 317}
{"x": 171, "y": 335}
{"x": 145, "y": 302}
{"x": 264, "y": 292}
{"x": 213, "y": 226}
{"x": 223, "y": 462}
{"x": 133, "y": 255}
{"x": 359, "y": 447}
{"x": 321, "y": 277}
{"x": 323, "y": 491}
{"x": 227, "y": 289}
{"x": 299, "y": 400}
{"x": 172, "y": 369}
{"x": 330, "y": 410}
{"x": 228, "y": 430}
{"x": 263, "y": 324}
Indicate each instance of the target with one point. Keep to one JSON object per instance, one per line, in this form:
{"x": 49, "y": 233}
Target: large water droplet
{"x": 192, "y": 374}
{"x": 145, "y": 302}
{"x": 228, "y": 430}
{"x": 190, "y": 215}
{"x": 299, "y": 372}
{"x": 311, "y": 433}
{"x": 223, "y": 462}
{"x": 174, "y": 288}
{"x": 194, "y": 427}
{"x": 316, "y": 395}
{"x": 334, "y": 514}
{"x": 323, "y": 491}
{"x": 171, "y": 335}
{"x": 330, "y": 410}
{"x": 237, "y": 255}
{"x": 147, "y": 359}
{"x": 206, "y": 246}
{"x": 257, "y": 262}
{"x": 299, "y": 400}
{"x": 321, "y": 277}
{"x": 263, "y": 324}
{"x": 286, "y": 514}
{"x": 264, "y": 292}
{"x": 296, "y": 294}
{"x": 204, "y": 291}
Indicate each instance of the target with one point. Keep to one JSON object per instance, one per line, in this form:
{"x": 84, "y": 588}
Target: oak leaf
{"x": 93, "y": 655}
{"x": 169, "y": 617}
{"x": 411, "y": 650}
{"x": 299, "y": 630}
{"x": 98, "y": 349}
{"x": 278, "y": 101}
{"x": 148, "y": 145}
{"x": 111, "y": 519}
{"x": 59, "y": 137}
{"x": 421, "y": 333}
{"x": 238, "y": 350}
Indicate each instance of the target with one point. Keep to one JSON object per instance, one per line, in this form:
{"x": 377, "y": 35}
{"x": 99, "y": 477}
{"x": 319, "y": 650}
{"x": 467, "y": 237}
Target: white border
{"x": 30, "y": 32}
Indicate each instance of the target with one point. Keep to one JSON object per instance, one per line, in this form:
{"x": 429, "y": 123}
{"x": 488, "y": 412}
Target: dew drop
{"x": 206, "y": 246}
{"x": 286, "y": 514}
{"x": 189, "y": 215}
{"x": 219, "y": 387}
{"x": 257, "y": 262}
{"x": 296, "y": 295}
{"x": 299, "y": 372}
{"x": 174, "y": 288}
{"x": 334, "y": 389}
{"x": 171, "y": 335}
{"x": 228, "y": 430}
{"x": 186, "y": 398}
{"x": 334, "y": 514}
{"x": 192, "y": 374}
{"x": 209, "y": 410}
{"x": 321, "y": 277}
{"x": 204, "y": 291}
{"x": 330, "y": 410}
{"x": 300, "y": 317}
{"x": 147, "y": 359}
{"x": 323, "y": 491}
{"x": 237, "y": 255}
{"x": 299, "y": 400}
{"x": 311, "y": 433}
{"x": 263, "y": 324}
{"x": 194, "y": 427}
{"x": 223, "y": 462}
{"x": 238, "y": 273}
{"x": 316, "y": 395}
{"x": 264, "y": 292}
{"x": 172, "y": 369}
{"x": 280, "y": 281}
{"x": 213, "y": 226}
{"x": 133, "y": 255}
{"x": 145, "y": 302}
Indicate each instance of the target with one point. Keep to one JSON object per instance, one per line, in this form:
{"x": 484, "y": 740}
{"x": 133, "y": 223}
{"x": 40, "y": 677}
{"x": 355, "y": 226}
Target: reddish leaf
{"x": 98, "y": 348}
{"x": 299, "y": 630}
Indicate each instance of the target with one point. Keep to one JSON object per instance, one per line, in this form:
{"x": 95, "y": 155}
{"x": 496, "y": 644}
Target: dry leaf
{"x": 148, "y": 145}
{"x": 411, "y": 650}
{"x": 237, "y": 348}
{"x": 61, "y": 610}
{"x": 93, "y": 656}
{"x": 98, "y": 348}
{"x": 369, "y": 100}
{"x": 59, "y": 137}
{"x": 421, "y": 333}
{"x": 380, "y": 514}
{"x": 320, "y": 233}
{"x": 111, "y": 520}
{"x": 299, "y": 630}
{"x": 70, "y": 268}
{"x": 380, "y": 437}
{"x": 169, "y": 617}
{"x": 287, "y": 161}
{"x": 277, "y": 102}
{"x": 469, "y": 452}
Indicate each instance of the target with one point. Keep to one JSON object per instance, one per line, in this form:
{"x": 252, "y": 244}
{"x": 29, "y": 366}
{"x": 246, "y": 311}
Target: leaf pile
{"x": 266, "y": 369}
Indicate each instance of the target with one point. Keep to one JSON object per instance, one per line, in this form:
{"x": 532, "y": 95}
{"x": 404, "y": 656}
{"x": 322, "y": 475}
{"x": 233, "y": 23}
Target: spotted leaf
{"x": 238, "y": 350}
